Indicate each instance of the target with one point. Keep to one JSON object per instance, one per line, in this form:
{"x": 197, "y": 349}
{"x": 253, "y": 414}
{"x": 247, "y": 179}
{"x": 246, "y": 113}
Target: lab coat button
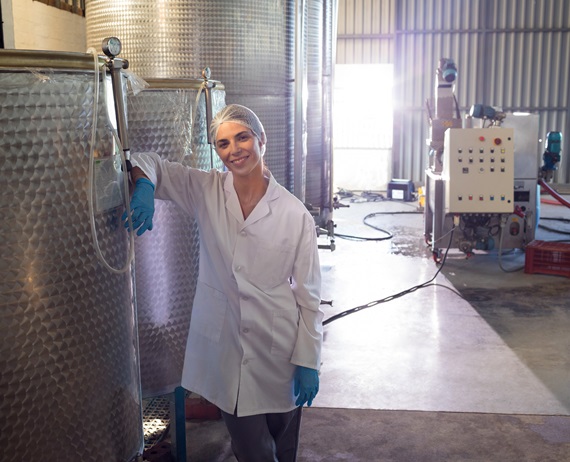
{"x": 238, "y": 268}
{"x": 243, "y": 233}
{"x": 245, "y": 361}
{"x": 245, "y": 330}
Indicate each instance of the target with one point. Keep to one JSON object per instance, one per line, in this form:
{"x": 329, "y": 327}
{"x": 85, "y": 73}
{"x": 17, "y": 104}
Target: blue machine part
{"x": 479, "y": 111}
{"x": 485, "y": 243}
{"x": 448, "y": 70}
{"x": 553, "y": 148}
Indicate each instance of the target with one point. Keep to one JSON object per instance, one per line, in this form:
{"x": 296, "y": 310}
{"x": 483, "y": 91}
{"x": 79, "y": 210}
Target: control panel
{"x": 478, "y": 170}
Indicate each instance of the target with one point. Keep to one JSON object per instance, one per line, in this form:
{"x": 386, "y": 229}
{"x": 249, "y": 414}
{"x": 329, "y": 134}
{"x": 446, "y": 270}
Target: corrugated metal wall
{"x": 366, "y": 31}
{"x": 512, "y": 54}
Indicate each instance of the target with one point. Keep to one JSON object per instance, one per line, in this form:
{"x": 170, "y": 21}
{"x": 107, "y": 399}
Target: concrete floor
{"x": 474, "y": 367}
{"x": 497, "y": 343}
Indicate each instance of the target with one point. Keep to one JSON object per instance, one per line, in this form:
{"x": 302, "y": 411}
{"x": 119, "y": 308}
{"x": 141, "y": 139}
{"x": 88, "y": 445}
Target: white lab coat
{"x": 250, "y": 324}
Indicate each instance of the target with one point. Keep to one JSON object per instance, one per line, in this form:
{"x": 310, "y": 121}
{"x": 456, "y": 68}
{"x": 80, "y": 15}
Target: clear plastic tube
{"x": 131, "y": 250}
{"x": 201, "y": 90}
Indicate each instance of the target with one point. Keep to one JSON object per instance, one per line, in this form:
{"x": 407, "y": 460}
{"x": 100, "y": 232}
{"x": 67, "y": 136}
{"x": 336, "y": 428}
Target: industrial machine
{"x": 481, "y": 182}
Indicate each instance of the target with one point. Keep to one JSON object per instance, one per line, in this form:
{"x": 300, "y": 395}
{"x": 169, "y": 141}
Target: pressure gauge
{"x": 111, "y": 46}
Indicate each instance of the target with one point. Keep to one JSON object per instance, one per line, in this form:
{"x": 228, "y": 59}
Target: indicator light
{"x": 497, "y": 141}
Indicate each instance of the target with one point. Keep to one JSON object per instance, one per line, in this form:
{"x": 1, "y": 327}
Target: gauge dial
{"x": 111, "y": 46}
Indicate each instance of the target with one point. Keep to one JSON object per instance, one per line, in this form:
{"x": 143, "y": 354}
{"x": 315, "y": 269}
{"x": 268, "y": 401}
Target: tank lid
{"x": 15, "y": 59}
{"x": 193, "y": 84}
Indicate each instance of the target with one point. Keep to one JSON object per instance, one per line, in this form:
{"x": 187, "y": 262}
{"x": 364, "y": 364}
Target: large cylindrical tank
{"x": 169, "y": 118}
{"x": 320, "y": 21}
{"x": 69, "y": 376}
{"x": 261, "y": 50}
{"x": 329, "y": 58}
{"x": 315, "y": 24}
{"x": 248, "y": 44}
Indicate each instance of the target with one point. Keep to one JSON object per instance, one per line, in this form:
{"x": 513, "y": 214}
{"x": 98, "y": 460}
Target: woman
{"x": 256, "y": 330}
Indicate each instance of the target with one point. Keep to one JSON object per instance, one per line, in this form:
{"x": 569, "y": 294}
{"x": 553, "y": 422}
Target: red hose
{"x": 549, "y": 202}
{"x": 553, "y": 193}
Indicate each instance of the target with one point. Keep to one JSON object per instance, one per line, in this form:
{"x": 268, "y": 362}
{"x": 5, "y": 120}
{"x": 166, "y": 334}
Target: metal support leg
{"x": 178, "y": 425}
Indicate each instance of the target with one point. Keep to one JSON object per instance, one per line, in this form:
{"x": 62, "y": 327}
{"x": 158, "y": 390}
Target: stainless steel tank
{"x": 320, "y": 59}
{"x": 315, "y": 24}
{"x": 255, "y": 48}
{"x": 169, "y": 118}
{"x": 248, "y": 44}
{"x": 69, "y": 376}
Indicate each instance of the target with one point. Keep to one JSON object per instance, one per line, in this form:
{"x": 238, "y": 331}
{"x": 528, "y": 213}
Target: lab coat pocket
{"x": 272, "y": 265}
{"x": 208, "y": 312}
{"x": 284, "y": 332}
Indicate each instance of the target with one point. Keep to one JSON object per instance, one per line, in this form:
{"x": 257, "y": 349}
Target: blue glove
{"x": 142, "y": 206}
{"x": 306, "y": 385}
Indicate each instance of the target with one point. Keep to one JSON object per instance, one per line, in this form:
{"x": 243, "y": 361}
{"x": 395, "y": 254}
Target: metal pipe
{"x": 207, "y": 86}
{"x": 179, "y": 424}
{"x": 115, "y": 66}
{"x": 330, "y": 24}
{"x": 208, "y": 95}
{"x": 300, "y": 131}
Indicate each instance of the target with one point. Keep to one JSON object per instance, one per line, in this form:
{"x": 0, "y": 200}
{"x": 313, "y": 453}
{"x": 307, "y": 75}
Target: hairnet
{"x": 239, "y": 115}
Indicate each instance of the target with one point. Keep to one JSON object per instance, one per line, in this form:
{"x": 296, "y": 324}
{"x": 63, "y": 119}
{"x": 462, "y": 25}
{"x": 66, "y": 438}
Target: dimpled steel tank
{"x": 274, "y": 56}
{"x": 69, "y": 380}
{"x": 248, "y": 44}
{"x": 169, "y": 118}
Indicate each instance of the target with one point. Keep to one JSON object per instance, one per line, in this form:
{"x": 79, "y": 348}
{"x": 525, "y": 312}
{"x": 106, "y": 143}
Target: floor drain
{"x": 156, "y": 420}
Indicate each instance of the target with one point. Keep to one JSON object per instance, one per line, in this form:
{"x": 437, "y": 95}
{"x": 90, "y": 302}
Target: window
{"x": 362, "y": 125}
{"x": 73, "y": 6}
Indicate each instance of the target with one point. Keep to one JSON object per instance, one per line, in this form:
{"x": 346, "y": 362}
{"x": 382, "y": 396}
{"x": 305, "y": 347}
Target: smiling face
{"x": 239, "y": 149}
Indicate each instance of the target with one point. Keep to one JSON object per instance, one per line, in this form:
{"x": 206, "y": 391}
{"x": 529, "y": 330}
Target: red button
{"x": 481, "y": 138}
{"x": 498, "y": 141}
